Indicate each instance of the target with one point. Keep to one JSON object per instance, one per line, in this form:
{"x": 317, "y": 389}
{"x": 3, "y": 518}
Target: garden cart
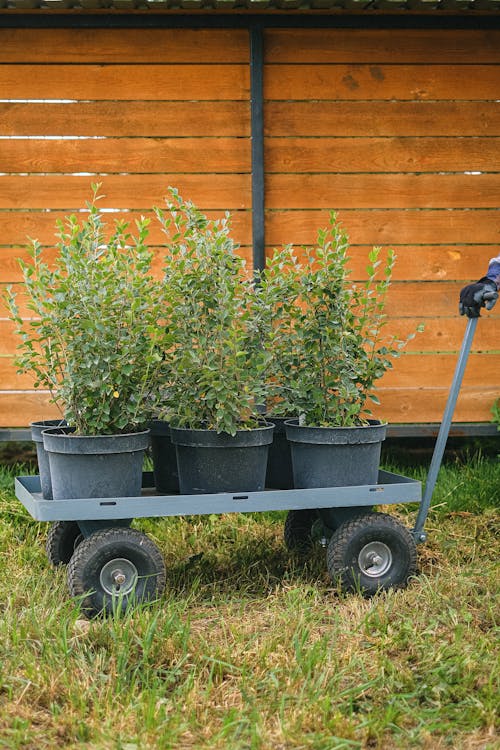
{"x": 111, "y": 564}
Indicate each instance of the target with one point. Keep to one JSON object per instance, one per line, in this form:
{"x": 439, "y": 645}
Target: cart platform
{"x": 390, "y": 489}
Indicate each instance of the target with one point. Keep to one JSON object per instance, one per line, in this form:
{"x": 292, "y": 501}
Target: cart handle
{"x": 437, "y": 456}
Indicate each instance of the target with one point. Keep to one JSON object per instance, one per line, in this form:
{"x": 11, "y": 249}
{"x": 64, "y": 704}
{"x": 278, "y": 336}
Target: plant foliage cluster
{"x": 208, "y": 344}
{"x": 94, "y": 336}
{"x": 329, "y": 343}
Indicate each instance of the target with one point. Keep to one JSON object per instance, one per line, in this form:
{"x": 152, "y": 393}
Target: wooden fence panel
{"x": 397, "y": 132}
{"x": 137, "y": 111}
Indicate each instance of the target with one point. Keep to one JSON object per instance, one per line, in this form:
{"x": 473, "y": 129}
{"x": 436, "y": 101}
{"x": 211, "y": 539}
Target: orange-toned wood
{"x": 440, "y": 335}
{"x": 391, "y": 154}
{"x": 117, "y": 155}
{"x": 69, "y": 192}
{"x": 110, "y": 118}
{"x": 410, "y": 371}
{"x": 387, "y": 227}
{"x": 446, "y": 334}
{"x": 436, "y": 371}
{"x": 10, "y": 379}
{"x": 382, "y": 45}
{"x": 387, "y": 118}
{"x": 405, "y": 405}
{"x": 123, "y": 45}
{"x": 421, "y": 262}
{"x": 179, "y": 82}
{"x": 413, "y": 263}
{"x": 19, "y": 409}
{"x": 17, "y": 226}
{"x": 382, "y": 190}
{"x": 398, "y": 405}
{"x": 410, "y": 82}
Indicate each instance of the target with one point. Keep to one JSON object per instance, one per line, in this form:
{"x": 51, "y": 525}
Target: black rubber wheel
{"x": 114, "y": 568}
{"x": 62, "y": 540}
{"x": 371, "y": 553}
{"x": 298, "y": 529}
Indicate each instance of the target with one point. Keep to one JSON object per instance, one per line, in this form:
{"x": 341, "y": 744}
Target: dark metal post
{"x": 437, "y": 456}
{"x": 257, "y": 139}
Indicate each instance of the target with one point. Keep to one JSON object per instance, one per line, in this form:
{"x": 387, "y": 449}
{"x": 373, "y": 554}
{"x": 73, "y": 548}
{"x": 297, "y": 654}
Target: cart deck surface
{"x": 390, "y": 489}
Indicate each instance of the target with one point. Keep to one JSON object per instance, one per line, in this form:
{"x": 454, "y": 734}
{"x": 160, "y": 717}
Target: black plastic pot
{"x": 166, "y": 475}
{"x": 211, "y": 462}
{"x": 279, "y": 474}
{"x": 335, "y": 456}
{"x": 42, "y": 458}
{"x": 95, "y": 466}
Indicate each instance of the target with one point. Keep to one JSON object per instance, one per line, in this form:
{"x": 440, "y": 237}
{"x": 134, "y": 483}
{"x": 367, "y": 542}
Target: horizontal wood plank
{"x": 439, "y": 334}
{"x": 17, "y": 226}
{"x": 118, "y": 155}
{"x": 410, "y": 371}
{"x": 387, "y": 118}
{"x": 401, "y": 405}
{"x": 19, "y": 409}
{"x": 420, "y": 301}
{"x": 416, "y": 262}
{"x": 398, "y": 405}
{"x": 382, "y": 45}
{"x": 209, "y": 191}
{"x": 388, "y": 227}
{"x": 125, "y": 82}
{"x": 111, "y": 118}
{"x": 396, "y": 154}
{"x": 382, "y": 190}
{"x": 413, "y": 263}
{"x": 123, "y": 45}
{"x": 404, "y": 82}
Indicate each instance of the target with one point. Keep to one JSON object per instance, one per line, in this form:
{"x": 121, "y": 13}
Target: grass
{"x": 252, "y": 648}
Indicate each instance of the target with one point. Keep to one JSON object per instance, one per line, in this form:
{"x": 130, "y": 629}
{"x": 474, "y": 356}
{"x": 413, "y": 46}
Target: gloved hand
{"x": 475, "y": 296}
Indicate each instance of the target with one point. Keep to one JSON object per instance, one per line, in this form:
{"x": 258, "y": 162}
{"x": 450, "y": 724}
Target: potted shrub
{"x": 213, "y": 393}
{"x": 92, "y": 341}
{"x": 329, "y": 350}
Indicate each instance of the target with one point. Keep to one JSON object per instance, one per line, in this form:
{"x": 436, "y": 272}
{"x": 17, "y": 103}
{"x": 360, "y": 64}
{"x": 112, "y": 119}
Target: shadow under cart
{"x": 111, "y": 565}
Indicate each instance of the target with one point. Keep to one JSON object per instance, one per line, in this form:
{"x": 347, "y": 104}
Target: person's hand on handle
{"x": 483, "y": 293}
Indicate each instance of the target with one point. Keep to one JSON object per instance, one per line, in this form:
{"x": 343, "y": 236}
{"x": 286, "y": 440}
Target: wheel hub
{"x": 375, "y": 559}
{"x": 118, "y": 576}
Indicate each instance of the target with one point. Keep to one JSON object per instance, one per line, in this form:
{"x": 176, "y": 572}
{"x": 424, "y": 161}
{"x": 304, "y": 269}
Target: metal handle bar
{"x": 437, "y": 456}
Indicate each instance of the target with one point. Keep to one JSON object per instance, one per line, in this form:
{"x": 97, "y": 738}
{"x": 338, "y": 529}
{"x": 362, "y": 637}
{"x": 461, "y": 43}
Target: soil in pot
{"x": 211, "y": 462}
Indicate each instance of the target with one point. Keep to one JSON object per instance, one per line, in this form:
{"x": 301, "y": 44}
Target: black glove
{"x": 475, "y": 296}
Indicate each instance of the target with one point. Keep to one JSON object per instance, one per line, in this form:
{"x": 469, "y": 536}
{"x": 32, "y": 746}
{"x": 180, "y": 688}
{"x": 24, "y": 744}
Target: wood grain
{"x": 382, "y": 190}
{"x": 112, "y": 118}
{"x": 125, "y": 82}
{"x": 17, "y": 226}
{"x": 381, "y": 81}
{"x": 123, "y": 45}
{"x": 398, "y": 405}
{"x": 389, "y": 154}
{"x": 382, "y": 46}
{"x": 118, "y": 155}
{"x": 70, "y": 192}
{"x": 388, "y": 227}
{"x": 386, "y": 118}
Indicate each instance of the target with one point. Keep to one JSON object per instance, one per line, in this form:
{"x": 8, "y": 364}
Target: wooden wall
{"x": 399, "y": 131}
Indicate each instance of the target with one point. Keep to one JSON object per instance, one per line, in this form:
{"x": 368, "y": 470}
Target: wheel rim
{"x": 118, "y": 576}
{"x": 375, "y": 559}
